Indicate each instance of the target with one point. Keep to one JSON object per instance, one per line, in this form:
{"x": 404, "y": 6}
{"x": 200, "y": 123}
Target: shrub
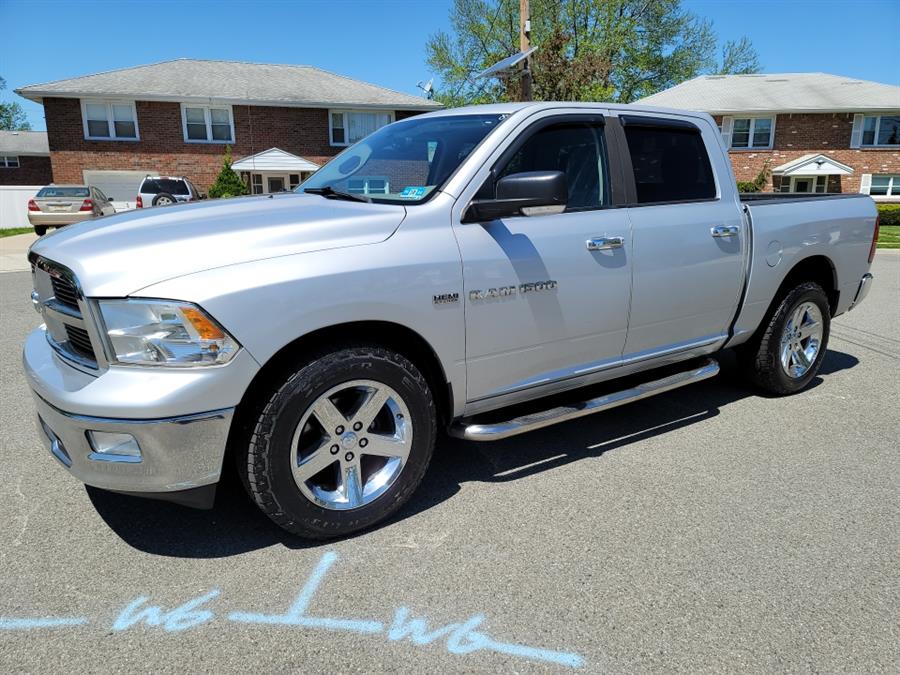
{"x": 228, "y": 183}
{"x": 888, "y": 214}
{"x": 758, "y": 183}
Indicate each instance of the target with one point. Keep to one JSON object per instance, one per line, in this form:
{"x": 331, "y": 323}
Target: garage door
{"x": 120, "y": 186}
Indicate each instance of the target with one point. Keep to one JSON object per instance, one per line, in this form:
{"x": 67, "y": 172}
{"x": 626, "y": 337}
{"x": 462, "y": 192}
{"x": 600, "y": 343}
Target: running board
{"x": 470, "y": 431}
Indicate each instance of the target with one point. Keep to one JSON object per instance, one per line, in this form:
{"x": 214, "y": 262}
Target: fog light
{"x": 109, "y": 447}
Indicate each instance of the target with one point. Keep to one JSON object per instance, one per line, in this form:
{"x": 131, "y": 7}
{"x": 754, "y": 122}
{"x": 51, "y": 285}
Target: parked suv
{"x": 166, "y": 190}
{"x": 58, "y": 205}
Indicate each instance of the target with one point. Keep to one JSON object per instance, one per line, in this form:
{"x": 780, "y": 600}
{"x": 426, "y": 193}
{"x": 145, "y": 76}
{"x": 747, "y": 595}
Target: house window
{"x": 881, "y": 130}
{"x": 109, "y": 120}
{"x": 293, "y": 181}
{"x": 752, "y": 132}
{"x": 256, "y": 185}
{"x": 885, "y": 186}
{"x": 349, "y": 126}
{"x": 207, "y": 124}
{"x": 368, "y": 185}
{"x": 9, "y": 162}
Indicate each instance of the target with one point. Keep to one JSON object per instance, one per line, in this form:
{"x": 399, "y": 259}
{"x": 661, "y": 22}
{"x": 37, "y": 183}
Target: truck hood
{"x": 121, "y": 254}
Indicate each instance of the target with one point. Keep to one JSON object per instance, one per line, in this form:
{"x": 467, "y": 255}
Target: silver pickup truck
{"x": 484, "y": 271}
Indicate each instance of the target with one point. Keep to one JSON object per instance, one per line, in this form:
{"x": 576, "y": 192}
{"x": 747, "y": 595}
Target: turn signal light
{"x": 206, "y": 328}
{"x": 87, "y": 205}
{"x": 874, "y": 239}
{"x": 32, "y": 205}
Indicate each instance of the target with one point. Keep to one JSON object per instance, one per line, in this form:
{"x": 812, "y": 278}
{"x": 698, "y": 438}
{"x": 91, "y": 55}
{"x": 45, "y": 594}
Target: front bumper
{"x": 179, "y": 449}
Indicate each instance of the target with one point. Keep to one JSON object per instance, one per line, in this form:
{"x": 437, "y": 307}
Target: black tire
{"x": 264, "y": 463}
{"x": 761, "y": 357}
{"x": 40, "y": 230}
{"x": 162, "y": 195}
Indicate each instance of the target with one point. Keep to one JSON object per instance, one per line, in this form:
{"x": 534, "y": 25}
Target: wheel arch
{"x": 817, "y": 268}
{"x": 397, "y": 337}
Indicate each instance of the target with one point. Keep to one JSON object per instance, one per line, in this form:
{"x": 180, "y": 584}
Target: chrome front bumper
{"x": 865, "y": 284}
{"x": 179, "y": 449}
{"x": 177, "y": 453}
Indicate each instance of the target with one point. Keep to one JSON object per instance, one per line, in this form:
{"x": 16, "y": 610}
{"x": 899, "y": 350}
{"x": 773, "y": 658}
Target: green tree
{"x": 609, "y": 50}
{"x": 739, "y": 58}
{"x": 228, "y": 183}
{"x": 12, "y": 116}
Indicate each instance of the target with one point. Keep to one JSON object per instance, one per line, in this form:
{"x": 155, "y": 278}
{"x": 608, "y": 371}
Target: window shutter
{"x": 856, "y": 134}
{"x": 727, "y": 126}
{"x": 865, "y": 182}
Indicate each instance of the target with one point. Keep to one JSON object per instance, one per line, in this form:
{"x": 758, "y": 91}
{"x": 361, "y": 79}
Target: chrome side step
{"x": 493, "y": 432}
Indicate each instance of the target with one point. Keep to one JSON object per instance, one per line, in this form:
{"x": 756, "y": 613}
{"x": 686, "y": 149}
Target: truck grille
{"x": 63, "y": 309}
{"x": 64, "y": 291}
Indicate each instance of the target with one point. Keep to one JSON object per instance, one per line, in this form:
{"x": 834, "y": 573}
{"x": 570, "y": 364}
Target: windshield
{"x": 63, "y": 192}
{"x": 406, "y": 161}
{"x": 174, "y": 186}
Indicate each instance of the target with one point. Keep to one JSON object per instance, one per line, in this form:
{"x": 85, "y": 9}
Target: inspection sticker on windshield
{"x": 413, "y": 192}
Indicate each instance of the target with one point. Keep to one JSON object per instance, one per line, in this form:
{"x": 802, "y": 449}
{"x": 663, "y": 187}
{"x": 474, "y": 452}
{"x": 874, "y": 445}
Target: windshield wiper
{"x": 330, "y": 193}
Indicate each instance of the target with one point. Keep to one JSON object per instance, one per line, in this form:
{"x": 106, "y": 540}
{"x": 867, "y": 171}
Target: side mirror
{"x": 530, "y": 193}
{"x": 110, "y": 199}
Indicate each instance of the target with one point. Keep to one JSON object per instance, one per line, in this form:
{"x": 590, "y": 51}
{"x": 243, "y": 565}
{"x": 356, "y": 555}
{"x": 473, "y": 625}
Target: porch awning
{"x": 274, "y": 159}
{"x": 813, "y": 165}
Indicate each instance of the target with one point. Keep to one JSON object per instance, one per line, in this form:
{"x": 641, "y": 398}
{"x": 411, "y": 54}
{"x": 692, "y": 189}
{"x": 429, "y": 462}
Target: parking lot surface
{"x": 705, "y": 530}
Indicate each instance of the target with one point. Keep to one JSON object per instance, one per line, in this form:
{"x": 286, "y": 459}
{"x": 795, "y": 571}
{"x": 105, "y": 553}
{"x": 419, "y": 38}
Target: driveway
{"x": 705, "y": 530}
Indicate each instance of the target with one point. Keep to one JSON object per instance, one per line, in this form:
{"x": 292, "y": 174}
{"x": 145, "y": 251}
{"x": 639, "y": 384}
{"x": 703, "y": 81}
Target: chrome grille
{"x": 63, "y": 307}
{"x": 64, "y": 291}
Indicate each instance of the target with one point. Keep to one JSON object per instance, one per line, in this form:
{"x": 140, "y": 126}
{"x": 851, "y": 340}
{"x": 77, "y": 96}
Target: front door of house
{"x": 275, "y": 183}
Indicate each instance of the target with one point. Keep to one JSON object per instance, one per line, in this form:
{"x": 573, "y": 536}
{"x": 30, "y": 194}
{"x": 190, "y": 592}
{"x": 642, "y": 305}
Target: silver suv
{"x": 166, "y": 190}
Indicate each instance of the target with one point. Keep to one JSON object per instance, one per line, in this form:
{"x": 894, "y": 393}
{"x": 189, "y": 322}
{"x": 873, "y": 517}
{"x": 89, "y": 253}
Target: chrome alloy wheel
{"x": 801, "y": 340}
{"x": 164, "y": 201}
{"x": 351, "y": 444}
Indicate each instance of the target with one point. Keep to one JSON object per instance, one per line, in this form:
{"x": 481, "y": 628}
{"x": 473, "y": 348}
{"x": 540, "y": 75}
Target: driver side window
{"x": 576, "y": 149}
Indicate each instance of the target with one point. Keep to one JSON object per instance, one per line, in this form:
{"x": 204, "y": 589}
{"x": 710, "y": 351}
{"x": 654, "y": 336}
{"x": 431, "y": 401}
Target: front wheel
{"x": 790, "y": 351}
{"x": 342, "y": 443}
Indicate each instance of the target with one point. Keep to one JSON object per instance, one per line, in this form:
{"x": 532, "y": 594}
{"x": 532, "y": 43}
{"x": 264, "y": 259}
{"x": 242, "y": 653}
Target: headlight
{"x": 159, "y": 332}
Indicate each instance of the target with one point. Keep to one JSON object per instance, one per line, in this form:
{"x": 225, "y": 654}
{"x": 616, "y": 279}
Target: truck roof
{"x": 513, "y": 107}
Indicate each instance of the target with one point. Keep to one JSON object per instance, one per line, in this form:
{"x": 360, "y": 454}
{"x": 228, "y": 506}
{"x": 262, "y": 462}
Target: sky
{"x": 383, "y": 41}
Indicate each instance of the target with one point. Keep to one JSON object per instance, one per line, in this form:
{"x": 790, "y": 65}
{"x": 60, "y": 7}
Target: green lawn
{"x": 15, "y": 230}
{"x": 889, "y": 236}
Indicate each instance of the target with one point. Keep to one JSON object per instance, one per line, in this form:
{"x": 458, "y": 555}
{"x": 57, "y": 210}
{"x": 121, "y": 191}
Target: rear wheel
{"x": 342, "y": 443}
{"x": 789, "y": 353}
{"x": 40, "y": 230}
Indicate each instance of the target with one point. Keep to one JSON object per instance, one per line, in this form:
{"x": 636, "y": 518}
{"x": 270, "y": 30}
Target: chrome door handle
{"x": 604, "y": 243}
{"x": 725, "y": 231}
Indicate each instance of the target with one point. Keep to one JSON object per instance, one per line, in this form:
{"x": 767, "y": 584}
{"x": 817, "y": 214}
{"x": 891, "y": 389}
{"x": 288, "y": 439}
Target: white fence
{"x": 14, "y": 204}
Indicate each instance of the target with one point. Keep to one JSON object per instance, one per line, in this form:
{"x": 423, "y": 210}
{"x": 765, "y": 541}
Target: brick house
{"x": 815, "y": 132}
{"x": 24, "y": 158}
{"x": 176, "y": 117}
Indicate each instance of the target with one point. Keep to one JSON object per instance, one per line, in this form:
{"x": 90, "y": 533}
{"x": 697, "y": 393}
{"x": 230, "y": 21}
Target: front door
{"x": 275, "y": 183}
{"x": 688, "y": 242}
{"x": 542, "y": 308}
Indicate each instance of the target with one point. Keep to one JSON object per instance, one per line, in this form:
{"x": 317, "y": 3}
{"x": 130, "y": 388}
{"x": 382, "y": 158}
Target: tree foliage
{"x": 597, "y": 50}
{"x": 12, "y": 116}
{"x": 228, "y": 183}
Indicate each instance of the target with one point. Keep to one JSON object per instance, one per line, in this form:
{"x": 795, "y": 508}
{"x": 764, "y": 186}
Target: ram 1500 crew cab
{"x": 479, "y": 271}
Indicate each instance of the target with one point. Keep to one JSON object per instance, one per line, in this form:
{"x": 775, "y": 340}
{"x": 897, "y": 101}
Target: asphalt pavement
{"x": 705, "y": 530}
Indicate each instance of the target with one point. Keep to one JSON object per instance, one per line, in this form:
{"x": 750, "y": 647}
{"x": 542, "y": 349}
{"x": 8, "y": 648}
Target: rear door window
{"x": 670, "y": 164}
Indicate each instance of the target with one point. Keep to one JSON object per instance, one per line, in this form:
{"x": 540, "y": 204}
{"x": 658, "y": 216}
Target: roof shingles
{"x": 230, "y": 81}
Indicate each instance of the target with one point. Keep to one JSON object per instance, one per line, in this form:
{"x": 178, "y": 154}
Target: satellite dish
{"x": 505, "y": 67}
{"x": 427, "y": 88}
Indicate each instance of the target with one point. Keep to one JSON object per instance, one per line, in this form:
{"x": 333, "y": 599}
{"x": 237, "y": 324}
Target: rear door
{"x": 688, "y": 241}
{"x": 541, "y": 307}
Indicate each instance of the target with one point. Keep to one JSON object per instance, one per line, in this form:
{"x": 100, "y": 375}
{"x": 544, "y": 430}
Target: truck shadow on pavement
{"x": 236, "y": 526}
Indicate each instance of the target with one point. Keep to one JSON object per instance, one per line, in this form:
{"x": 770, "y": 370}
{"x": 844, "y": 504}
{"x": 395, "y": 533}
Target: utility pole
{"x": 525, "y": 45}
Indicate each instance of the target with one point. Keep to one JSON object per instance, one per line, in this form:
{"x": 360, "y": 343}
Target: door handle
{"x": 725, "y": 231}
{"x": 604, "y": 243}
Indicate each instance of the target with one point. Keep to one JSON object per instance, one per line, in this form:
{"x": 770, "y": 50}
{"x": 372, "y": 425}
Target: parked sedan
{"x": 58, "y": 205}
